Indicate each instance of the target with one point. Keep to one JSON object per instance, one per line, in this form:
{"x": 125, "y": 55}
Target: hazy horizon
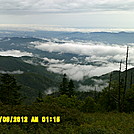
{"x": 69, "y": 13}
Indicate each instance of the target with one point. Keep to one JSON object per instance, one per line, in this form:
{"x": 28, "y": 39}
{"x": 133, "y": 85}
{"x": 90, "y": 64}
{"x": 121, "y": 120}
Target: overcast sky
{"x": 71, "y": 13}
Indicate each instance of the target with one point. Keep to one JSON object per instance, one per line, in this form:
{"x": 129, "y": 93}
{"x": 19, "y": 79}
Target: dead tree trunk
{"x": 119, "y": 90}
{"x": 131, "y": 79}
{"x": 110, "y": 79}
{"x": 109, "y": 89}
{"x": 125, "y": 85}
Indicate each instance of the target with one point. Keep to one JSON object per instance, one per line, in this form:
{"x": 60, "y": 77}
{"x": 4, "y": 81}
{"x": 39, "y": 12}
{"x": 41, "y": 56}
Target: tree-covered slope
{"x": 32, "y": 78}
{"x": 103, "y": 79}
{"x": 35, "y": 78}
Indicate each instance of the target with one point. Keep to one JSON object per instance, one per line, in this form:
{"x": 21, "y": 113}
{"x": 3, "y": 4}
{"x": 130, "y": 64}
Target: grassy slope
{"x": 72, "y": 121}
{"x": 107, "y": 123}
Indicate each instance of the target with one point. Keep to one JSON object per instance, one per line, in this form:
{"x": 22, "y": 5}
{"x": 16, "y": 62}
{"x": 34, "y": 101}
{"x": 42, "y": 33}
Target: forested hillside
{"x": 32, "y": 78}
{"x": 65, "y": 110}
{"x": 35, "y": 78}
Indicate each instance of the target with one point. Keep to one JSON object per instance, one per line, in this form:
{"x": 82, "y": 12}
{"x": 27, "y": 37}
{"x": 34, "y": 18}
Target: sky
{"x": 69, "y": 13}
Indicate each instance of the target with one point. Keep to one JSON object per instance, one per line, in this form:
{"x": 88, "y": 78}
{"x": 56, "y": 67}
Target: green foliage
{"x": 120, "y": 123}
{"x": 129, "y": 101}
{"x": 109, "y": 98}
{"x": 33, "y": 78}
{"x": 89, "y": 105}
{"x": 66, "y": 87}
{"x": 71, "y": 88}
{"x": 107, "y": 101}
{"x": 72, "y": 120}
{"x": 78, "y": 111}
{"x": 9, "y": 90}
{"x": 40, "y": 97}
{"x": 69, "y": 102}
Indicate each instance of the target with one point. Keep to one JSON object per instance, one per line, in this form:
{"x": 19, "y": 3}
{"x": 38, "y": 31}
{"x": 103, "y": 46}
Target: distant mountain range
{"x": 105, "y": 37}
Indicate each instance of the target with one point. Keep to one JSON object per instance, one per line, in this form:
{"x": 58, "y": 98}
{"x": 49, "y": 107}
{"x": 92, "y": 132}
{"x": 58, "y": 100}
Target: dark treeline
{"x": 111, "y": 98}
{"x": 76, "y": 109}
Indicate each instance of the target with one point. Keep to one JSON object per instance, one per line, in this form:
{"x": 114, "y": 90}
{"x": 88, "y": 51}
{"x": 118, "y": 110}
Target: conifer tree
{"x": 64, "y": 85}
{"x": 67, "y": 86}
{"x": 9, "y": 90}
{"x": 40, "y": 97}
{"x": 70, "y": 88}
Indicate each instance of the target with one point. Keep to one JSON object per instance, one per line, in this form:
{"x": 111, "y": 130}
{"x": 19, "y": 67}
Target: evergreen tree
{"x": 40, "y": 97}
{"x": 70, "y": 88}
{"x": 9, "y": 90}
{"x": 64, "y": 85}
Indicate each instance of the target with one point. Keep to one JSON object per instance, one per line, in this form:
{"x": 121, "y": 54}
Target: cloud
{"x": 94, "y": 51}
{"x": 63, "y": 6}
{"x": 74, "y": 71}
{"x": 53, "y": 61}
{"x": 34, "y": 27}
{"x": 51, "y": 90}
{"x": 96, "y": 87}
{"x": 99, "y": 81}
{"x": 30, "y": 62}
{"x": 78, "y": 72}
{"x": 13, "y": 72}
{"x": 15, "y": 53}
{"x": 100, "y": 58}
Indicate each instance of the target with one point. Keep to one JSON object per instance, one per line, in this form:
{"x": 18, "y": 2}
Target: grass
{"x": 107, "y": 123}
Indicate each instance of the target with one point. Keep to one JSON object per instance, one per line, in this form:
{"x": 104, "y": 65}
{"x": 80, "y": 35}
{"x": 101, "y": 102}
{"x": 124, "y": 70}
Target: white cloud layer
{"x": 105, "y": 55}
{"x": 93, "y": 51}
{"x": 63, "y": 6}
{"x": 53, "y": 61}
{"x": 78, "y": 72}
{"x": 13, "y": 72}
{"x": 15, "y": 53}
{"x": 96, "y": 87}
{"x": 34, "y": 27}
